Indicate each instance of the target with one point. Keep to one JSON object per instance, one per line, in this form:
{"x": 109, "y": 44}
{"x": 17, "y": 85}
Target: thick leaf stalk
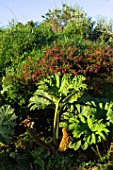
{"x": 56, "y": 125}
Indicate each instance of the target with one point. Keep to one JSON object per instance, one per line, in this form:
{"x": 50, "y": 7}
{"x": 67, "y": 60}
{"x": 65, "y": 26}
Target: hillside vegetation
{"x": 56, "y": 93}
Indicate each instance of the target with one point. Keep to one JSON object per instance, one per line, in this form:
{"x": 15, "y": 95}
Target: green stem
{"x": 69, "y": 96}
{"x": 56, "y": 124}
{"x": 94, "y": 150}
{"x": 97, "y": 152}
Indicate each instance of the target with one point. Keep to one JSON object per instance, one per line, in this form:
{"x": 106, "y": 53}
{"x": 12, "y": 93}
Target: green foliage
{"x": 57, "y": 87}
{"x": 44, "y": 35}
{"x": 60, "y": 19}
{"x": 23, "y": 161}
{"x": 7, "y": 123}
{"x": 40, "y": 155}
{"x": 103, "y": 30}
{"x": 5, "y": 158}
{"x": 14, "y": 41}
{"x": 80, "y": 57}
{"x": 56, "y": 91}
{"x": 46, "y": 63}
{"x": 15, "y": 93}
{"x": 82, "y": 28}
{"x": 15, "y": 161}
{"x": 7, "y": 81}
{"x": 74, "y": 52}
{"x": 88, "y": 123}
{"x": 62, "y": 162}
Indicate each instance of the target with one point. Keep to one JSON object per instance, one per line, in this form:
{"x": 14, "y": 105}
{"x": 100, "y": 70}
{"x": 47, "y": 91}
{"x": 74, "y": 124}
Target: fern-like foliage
{"x": 7, "y": 123}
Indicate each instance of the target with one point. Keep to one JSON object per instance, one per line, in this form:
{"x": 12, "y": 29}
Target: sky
{"x": 26, "y": 10}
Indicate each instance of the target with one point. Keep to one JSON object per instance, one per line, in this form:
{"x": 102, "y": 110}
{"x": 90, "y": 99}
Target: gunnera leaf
{"x": 7, "y": 123}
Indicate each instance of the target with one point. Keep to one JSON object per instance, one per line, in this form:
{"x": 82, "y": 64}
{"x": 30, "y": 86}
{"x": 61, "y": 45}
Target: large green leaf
{"x": 40, "y": 100}
{"x": 75, "y": 145}
{"x": 58, "y": 87}
{"x": 89, "y": 121}
{"x": 7, "y": 123}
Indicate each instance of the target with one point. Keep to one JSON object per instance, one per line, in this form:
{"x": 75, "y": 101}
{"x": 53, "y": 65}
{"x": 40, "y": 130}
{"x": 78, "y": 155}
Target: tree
{"x": 103, "y": 30}
{"x": 69, "y": 19}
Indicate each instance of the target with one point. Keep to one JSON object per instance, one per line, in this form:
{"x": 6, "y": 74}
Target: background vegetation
{"x": 56, "y": 93}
